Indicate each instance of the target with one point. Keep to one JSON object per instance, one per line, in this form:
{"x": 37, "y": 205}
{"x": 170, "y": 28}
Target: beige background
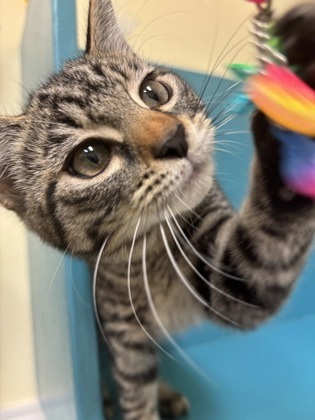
{"x": 184, "y": 33}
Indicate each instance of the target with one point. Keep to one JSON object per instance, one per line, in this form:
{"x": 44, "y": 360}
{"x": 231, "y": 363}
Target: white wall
{"x": 17, "y": 384}
{"x": 179, "y": 32}
{"x": 187, "y": 33}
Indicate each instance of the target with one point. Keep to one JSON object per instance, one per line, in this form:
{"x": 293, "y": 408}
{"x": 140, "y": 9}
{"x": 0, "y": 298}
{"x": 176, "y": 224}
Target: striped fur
{"x": 175, "y": 250}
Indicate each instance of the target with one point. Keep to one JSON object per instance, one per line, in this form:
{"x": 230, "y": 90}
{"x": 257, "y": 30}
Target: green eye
{"x": 153, "y": 93}
{"x": 89, "y": 159}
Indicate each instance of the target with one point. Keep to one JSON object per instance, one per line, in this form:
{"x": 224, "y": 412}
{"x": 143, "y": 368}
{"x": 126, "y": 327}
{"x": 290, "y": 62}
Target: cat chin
{"x": 195, "y": 189}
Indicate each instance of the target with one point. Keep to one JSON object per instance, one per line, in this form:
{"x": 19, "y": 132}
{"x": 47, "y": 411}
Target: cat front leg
{"x": 259, "y": 252}
{"x": 135, "y": 369}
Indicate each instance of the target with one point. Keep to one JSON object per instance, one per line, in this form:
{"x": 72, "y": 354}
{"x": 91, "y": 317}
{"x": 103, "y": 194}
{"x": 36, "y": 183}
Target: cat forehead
{"x": 88, "y": 81}
{"x": 86, "y": 85}
{"x": 92, "y": 88}
{"x": 89, "y": 74}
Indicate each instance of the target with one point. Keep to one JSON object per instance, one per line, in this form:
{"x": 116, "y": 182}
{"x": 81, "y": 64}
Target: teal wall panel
{"x": 66, "y": 342}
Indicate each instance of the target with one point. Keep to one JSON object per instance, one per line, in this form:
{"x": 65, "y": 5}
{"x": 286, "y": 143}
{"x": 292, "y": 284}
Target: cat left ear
{"x": 104, "y": 33}
{"x": 10, "y": 127}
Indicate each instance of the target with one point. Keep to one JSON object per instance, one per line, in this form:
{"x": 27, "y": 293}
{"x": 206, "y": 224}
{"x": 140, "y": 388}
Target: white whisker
{"x": 187, "y": 206}
{"x": 56, "y": 272}
{"x": 98, "y": 260}
{"x": 198, "y": 254}
{"x": 225, "y": 121}
{"x": 73, "y": 283}
{"x": 158, "y": 319}
{"x": 232, "y": 133}
{"x": 130, "y": 293}
{"x": 191, "y": 265}
{"x": 187, "y": 284}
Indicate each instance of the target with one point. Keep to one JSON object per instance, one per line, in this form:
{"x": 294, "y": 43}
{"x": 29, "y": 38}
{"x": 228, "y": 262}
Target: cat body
{"x": 112, "y": 161}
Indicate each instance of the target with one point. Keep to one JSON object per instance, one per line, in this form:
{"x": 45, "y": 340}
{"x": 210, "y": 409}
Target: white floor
{"x": 31, "y": 411}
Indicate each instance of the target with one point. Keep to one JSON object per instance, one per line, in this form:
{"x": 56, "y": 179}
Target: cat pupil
{"x": 91, "y": 155}
{"x": 89, "y": 159}
{"x": 154, "y": 93}
{"x": 151, "y": 94}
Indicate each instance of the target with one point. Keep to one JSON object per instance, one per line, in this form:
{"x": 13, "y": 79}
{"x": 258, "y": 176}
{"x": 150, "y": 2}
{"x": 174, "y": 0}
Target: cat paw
{"x": 108, "y": 406}
{"x": 171, "y": 403}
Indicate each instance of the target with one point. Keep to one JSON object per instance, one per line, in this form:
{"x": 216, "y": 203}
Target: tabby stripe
{"x": 135, "y": 346}
{"x": 97, "y": 69}
{"x": 118, "y": 71}
{"x": 204, "y": 244}
{"x": 79, "y": 101}
{"x": 140, "y": 378}
{"x": 57, "y": 98}
{"x": 67, "y": 120}
{"x": 246, "y": 246}
{"x": 268, "y": 299}
{"x": 53, "y": 139}
{"x": 119, "y": 318}
{"x": 211, "y": 234}
{"x": 274, "y": 231}
{"x": 132, "y": 405}
{"x": 201, "y": 287}
{"x": 52, "y": 211}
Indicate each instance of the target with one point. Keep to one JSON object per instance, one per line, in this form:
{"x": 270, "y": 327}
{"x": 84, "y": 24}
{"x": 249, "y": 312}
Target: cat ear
{"x": 104, "y": 33}
{"x": 10, "y": 127}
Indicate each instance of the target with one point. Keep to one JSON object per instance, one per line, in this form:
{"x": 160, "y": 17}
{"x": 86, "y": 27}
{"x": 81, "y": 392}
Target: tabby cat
{"x": 112, "y": 159}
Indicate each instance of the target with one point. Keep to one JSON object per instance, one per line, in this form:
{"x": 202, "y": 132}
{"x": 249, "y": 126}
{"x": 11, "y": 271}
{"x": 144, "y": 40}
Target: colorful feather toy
{"x": 286, "y": 100}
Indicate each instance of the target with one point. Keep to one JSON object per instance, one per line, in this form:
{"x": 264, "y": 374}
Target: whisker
{"x": 229, "y": 152}
{"x": 157, "y": 317}
{"x": 223, "y": 112}
{"x": 187, "y": 284}
{"x": 151, "y": 37}
{"x": 73, "y": 283}
{"x": 221, "y": 57}
{"x": 55, "y": 273}
{"x": 222, "y": 115}
{"x": 232, "y": 133}
{"x": 204, "y": 82}
{"x": 140, "y": 34}
{"x": 226, "y": 121}
{"x": 188, "y": 207}
{"x": 222, "y": 78}
{"x": 130, "y": 293}
{"x": 233, "y": 143}
{"x": 198, "y": 254}
{"x": 207, "y": 282}
{"x": 97, "y": 264}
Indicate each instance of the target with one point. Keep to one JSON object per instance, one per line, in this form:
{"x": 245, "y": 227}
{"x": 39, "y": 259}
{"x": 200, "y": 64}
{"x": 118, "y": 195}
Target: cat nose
{"x": 174, "y": 146}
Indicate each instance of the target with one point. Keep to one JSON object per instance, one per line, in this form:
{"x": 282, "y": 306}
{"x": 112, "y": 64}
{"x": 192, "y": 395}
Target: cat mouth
{"x": 180, "y": 185}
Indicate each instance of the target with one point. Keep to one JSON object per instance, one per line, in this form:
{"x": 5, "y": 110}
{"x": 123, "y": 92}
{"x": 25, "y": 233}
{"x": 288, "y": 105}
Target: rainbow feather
{"x": 297, "y": 166}
{"x": 284, "y": 98}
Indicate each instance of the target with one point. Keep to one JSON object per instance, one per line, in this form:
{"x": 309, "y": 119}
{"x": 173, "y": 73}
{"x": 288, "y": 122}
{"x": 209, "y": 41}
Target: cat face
{"x": 108, "y": 139}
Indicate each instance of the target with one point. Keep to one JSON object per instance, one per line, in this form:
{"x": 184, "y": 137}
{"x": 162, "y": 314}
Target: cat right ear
{"x": 10, "y": 128}
{"x": 104, "y": 34}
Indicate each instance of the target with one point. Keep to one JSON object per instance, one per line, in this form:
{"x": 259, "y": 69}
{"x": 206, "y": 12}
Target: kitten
{"x": 115, "y": 154}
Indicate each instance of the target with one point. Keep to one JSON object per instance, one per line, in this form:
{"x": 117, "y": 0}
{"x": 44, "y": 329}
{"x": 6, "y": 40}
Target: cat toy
{"x": 285, "y": 99}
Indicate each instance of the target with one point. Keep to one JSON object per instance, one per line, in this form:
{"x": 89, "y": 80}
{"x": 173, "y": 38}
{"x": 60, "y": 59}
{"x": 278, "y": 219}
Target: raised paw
{"x": 172, "y": 404}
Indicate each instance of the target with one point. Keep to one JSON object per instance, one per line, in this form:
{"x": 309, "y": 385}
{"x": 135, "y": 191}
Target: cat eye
{"x": 89, "y": 159}
{"x": 154, "y": 93}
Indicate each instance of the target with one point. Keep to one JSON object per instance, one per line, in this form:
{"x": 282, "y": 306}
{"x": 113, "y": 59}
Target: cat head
{"x": 108, "y": 139}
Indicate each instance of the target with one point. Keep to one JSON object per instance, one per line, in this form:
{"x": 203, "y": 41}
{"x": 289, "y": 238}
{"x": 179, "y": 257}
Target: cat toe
{"x": 172, "y": 404}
